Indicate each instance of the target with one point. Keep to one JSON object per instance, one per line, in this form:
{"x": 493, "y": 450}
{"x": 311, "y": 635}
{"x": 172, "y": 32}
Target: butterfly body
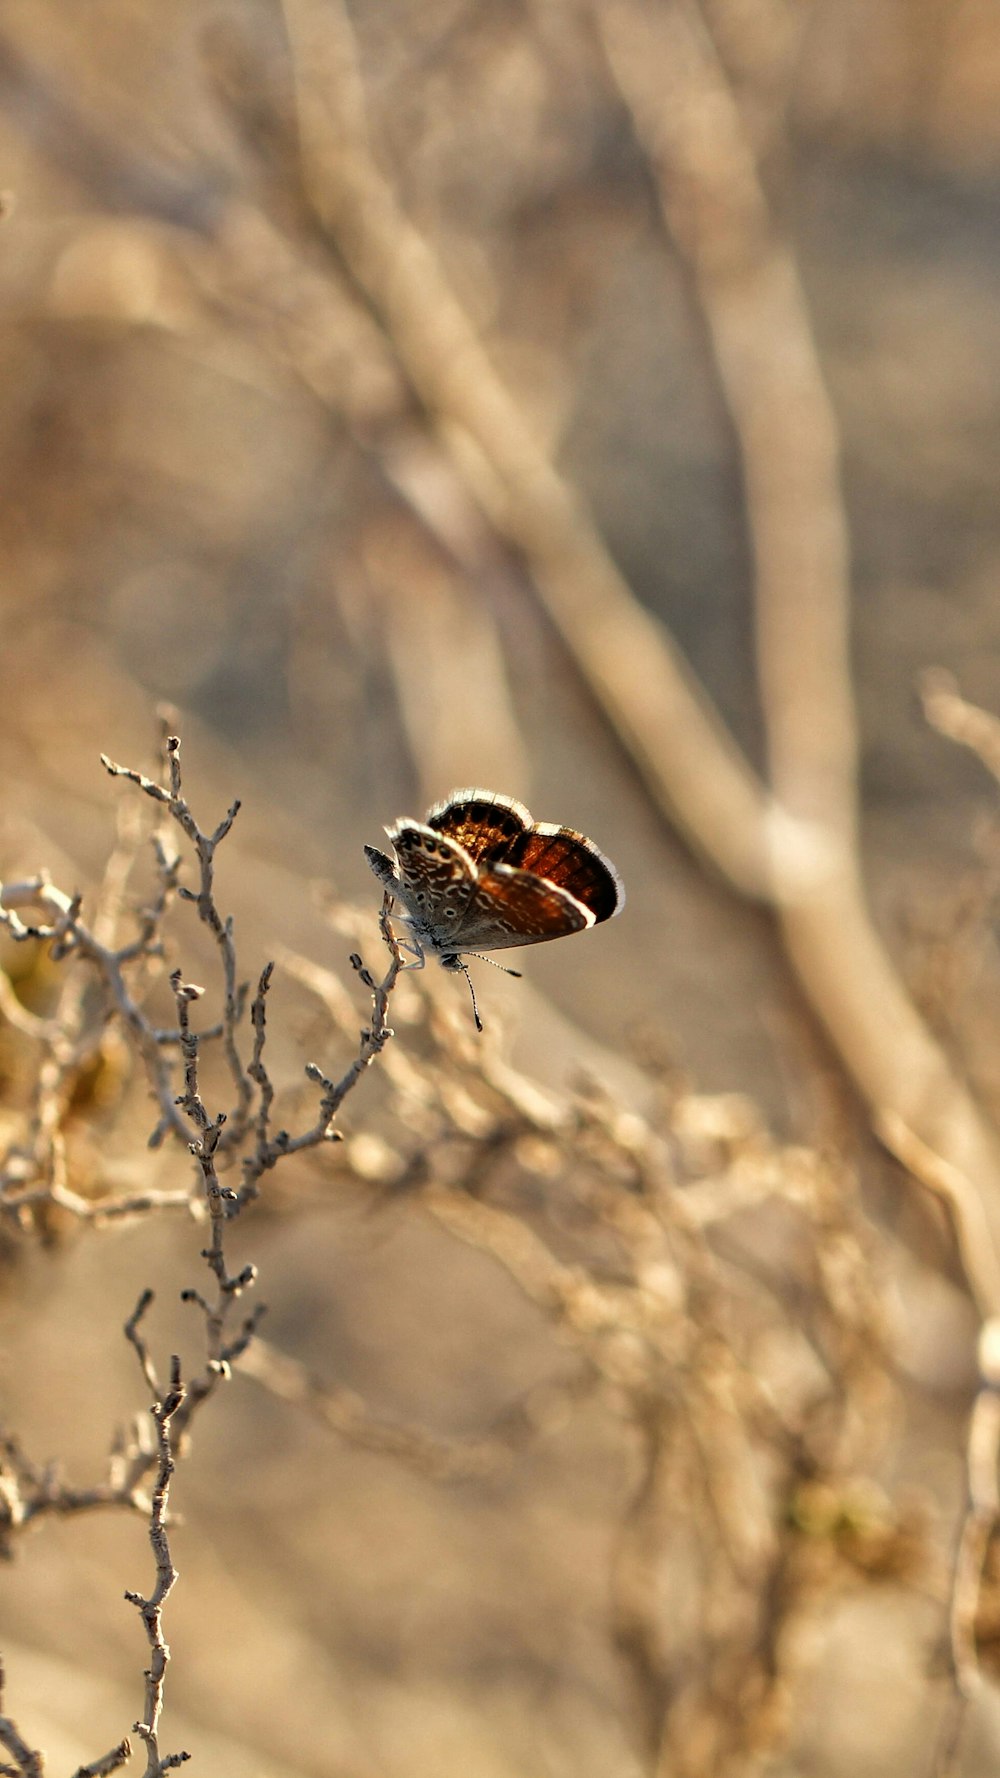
{"x": 480, "y": 875}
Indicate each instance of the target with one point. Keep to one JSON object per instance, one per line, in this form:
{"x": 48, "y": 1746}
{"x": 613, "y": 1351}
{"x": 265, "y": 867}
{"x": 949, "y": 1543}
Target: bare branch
{"x": 205, "y": 846}
{"x": 28, "y": 1762}
{"x": 979, "y": 1525}
{"x": 670, "y": 75}
{"x": 342, "y": 1411}
{"x": 954, "y": 716}
{"x": 109, "y": 1762}
{"x": 151, "y": 1609}
{"x": 691, "y": 765}
{"x": 374, "y": 1038}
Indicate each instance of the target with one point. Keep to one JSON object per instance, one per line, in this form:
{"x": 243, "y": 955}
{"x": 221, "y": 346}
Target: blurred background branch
{"x": 432, "y": 393}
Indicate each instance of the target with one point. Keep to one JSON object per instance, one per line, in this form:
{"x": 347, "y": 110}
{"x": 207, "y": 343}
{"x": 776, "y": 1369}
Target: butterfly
{"x": 480, "y": 875}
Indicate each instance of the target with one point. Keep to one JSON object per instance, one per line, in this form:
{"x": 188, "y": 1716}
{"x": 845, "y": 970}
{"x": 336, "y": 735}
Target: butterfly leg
{"x": 416, "y": 952}
{"x": 385, "y": 872}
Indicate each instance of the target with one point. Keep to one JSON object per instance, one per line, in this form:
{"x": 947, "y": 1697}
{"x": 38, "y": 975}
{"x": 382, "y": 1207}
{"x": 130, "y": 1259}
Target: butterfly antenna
{"x": 475, "y": 1010}
{"x": 484, "y": 959}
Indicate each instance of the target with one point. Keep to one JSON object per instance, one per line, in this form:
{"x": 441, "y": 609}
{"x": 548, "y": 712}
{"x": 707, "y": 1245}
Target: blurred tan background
{"x": 223, "y": 489}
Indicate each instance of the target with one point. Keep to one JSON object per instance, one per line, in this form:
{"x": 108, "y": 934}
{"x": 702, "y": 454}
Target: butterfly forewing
{"x": 484, "y": 823}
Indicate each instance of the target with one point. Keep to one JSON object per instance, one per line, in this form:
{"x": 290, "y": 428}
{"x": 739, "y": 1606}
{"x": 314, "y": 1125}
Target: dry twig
{"x": 150, "y": 1609}
{"x": 35, "y": 1174}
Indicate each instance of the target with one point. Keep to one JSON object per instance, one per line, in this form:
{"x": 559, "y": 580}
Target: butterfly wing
{"x": 571, "y": 862}
{"x": 436, "y": 879}
{"x": 482, "y": 822}
{"x": 480, "y": 875}
{"x": 514, "y": 907}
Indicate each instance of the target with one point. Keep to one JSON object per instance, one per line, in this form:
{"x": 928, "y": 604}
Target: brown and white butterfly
{"x": 480, "y": 875}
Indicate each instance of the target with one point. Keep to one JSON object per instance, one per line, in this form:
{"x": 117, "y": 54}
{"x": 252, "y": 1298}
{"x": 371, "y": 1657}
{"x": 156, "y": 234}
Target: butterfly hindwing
{"x": 566, "y": 858}
{"x": 437, "y": 878}
{"x": 513, "y": 907}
